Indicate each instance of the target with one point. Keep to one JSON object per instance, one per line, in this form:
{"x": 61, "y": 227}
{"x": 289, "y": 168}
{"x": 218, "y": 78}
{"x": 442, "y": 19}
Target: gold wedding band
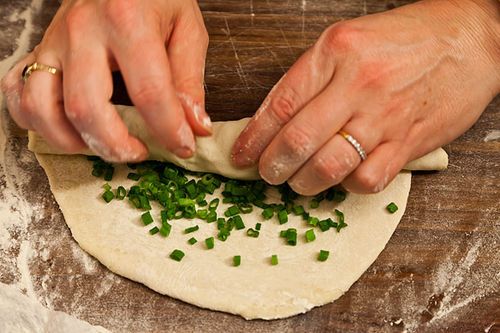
{"x": 355, "y": 144}
{"x": 29, "y": 69}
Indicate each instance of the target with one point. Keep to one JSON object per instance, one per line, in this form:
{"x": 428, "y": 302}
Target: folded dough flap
{"x": 212, "y": 153}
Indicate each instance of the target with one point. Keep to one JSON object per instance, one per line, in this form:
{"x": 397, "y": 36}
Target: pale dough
{"x": 114, "y": 235}
{"x": 212, "y": 153}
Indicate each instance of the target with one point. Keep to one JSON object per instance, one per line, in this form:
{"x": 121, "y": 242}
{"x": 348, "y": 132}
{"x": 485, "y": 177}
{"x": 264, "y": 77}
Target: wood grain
{"x": 439, "y": 272}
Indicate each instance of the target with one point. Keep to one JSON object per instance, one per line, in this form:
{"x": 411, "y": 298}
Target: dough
{"x": 114, "y": 234}
{"x": 212, "y": 153}
{"x": 19, "y": 314}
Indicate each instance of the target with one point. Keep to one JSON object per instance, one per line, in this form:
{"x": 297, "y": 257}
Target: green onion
{"x": 252, "y": 233}
{"x": 185, "y": 202}
{"x": 268, "y": 213}
{"x": 177, "y": 255}
{"x": 313, "y": 221}
{"x": 192, "y": 240}
{"x": 245, "y": 208}
{"x": 236, "y": 261}
{"x": 310, "y": 236}
{"x": 211, "y": 217}
{"x": 257, "y": 226}
{"x": 134, "y": 176}
{"x": 298, "y": 210}
{"x": 340, "y": 216}
{"x": 106, "y": 187}
{"x": 121, "y": 193}
{"x": 191, "y": 229}
{"x": 147, "y": 218}
{"x": 291, "y": 236}
{"x": 202, "y": 214}
{"x": 314, "y": 204}
{"x": 213, "y": 204}
{"x": 154, "y": 231}
{"x": 283, "y": 216}
{"x": 324, "y": 225}
{"x": 108, "y": 196}
{"x": 209, "y": 242}
{"x": 231, "y": 211}
{"x": 238, "y": 222}
{"x": 323, "y": 255}
{"x": 274, "y": 260}
{"x": 165, "y": 229}
{"x": 283, "y": 233}
{"x": 392, "y": 208}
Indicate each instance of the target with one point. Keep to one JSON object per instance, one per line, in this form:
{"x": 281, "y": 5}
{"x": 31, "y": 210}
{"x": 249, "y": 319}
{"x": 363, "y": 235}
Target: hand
{"x": 402, "y": 83}
{"x": 160, "y": 48}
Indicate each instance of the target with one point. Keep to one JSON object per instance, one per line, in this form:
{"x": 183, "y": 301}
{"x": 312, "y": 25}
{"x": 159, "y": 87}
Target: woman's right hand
{"x": 158, "y": 45}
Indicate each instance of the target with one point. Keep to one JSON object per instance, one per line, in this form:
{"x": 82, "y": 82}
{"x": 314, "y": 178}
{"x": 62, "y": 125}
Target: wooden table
{"x": 440, "y": 271}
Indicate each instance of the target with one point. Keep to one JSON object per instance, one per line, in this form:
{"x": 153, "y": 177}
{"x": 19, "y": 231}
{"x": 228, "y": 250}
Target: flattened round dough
{"x": 114, "y": 235}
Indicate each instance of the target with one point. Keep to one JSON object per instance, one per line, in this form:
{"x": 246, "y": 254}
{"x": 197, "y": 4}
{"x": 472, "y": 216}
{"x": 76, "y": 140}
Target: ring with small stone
{"x": 355, "y": 144}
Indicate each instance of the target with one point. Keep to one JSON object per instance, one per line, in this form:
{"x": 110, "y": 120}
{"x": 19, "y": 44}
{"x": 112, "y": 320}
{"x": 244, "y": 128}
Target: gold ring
{"x": 355, "y": 144}
{"x": 29, "y": 69}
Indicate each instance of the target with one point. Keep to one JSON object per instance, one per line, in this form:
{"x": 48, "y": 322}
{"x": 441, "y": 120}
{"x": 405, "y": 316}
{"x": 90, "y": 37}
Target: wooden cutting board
{"x": 440, "y": 271}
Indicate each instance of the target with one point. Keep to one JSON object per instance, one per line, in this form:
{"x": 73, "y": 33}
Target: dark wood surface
{"x": 439, "y": 272}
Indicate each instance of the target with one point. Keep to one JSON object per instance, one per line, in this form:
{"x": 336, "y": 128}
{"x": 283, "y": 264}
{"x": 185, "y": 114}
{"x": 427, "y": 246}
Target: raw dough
{"x": 19, "y": 314}
{"x": 212, "y": 153}
{"x": 114, "y": 234}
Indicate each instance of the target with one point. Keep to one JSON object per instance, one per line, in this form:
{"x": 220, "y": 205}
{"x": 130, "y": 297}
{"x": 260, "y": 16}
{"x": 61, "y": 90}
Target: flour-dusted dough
{"x": 114, "y": 235}
{"x": 212, "y": 153}
{"x": 20, "y": 314}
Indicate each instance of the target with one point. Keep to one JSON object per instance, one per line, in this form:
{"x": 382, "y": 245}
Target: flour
{"x": 492, "y": 136}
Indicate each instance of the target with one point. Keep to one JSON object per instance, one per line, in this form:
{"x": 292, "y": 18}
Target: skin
{"x": 402, "y": 83}
{"x": 160, "y": 48}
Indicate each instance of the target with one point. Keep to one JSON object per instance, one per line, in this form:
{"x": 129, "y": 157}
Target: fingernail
{"x": 186, "y": 140}
{"x": 202, "y": 117}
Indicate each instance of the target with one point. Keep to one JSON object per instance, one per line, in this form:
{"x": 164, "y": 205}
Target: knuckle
{"x": 147, "y": 91}
{"x": 328, "y": 169}
{"x": 284, "y": 106}
{"x": 28, "y": 104}
{"x": 76, "y": 109}
{"x": 122, "y": 14}
{"x": 340, "y": 37}
{"x": 369, "y": 181}
{"x": 297, "y": 140}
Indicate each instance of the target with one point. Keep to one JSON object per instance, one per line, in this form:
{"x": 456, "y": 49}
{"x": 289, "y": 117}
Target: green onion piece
{"x": 231, "y": 211}
{"x": 252, "y": 233}
{"x": 313, "y": 221}
{"x": 177, "y": 255}
{"x": 238, "y": 222}
{"x": 147, "y": 218}
{"x": 202, "y": 203}
{"x": 108, "y": 196}
{"x": 324, "y": 225}
{"x": 392, "y": 208}
{"x": 185, "y": 202}
{"x": 268, "y": 213}
{"x": 192, "y": 240}
{"x": 154, "y": 231}
{"x": 283, "y": 216}
{"x": 323, "y": 255}
{"x": 340, "y": 216}
{"x": 191, "y": 229}
{"x": 283, "y": 233}
{"x": 121, "y": 193}
{"x": 213, "y": 204}
{"x": 274, "y": 259}
{"x": 209, "y": 242}
{"x": 236, "y": 261}
{"x": 298, "y": 210}
{"x": 211, "y": 217}
{"x": 106, "y": 187}
{"x": 257, "y": 226}
{"x": 310, "y": 236}
{"x": 291, "y": 236}
{"x": 134, "y": 176}
{"x": 165, "y": 229}
{"x": 202, "y": 214}
{"x": 245, "y": 208}
{"x": 314, "y": 204}
{"x": 108, "y": 173}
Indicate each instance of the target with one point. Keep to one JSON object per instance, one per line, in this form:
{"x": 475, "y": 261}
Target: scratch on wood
{"x": 287, "y": 42}
{"x": 239, "y": 70}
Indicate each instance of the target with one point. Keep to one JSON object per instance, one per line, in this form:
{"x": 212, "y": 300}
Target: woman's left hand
{"x": 402, "y": 83}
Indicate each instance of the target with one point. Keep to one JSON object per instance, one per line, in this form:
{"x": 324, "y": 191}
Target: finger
{"x": 143, "y": 62}
{"x": 337, "y": 158}
{"x": 379, "y": 169}
{"x": 12, "y": 88}
{"x": 307, "y": 78}
{"x": 187, "y": 52}
{"x": 87, "y": 90}
{"x": 42, "y": 100}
